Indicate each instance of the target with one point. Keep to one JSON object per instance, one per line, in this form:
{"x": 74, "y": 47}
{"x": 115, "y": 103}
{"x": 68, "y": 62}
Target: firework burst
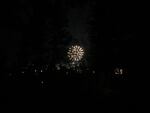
{"x": 75, "y": 53}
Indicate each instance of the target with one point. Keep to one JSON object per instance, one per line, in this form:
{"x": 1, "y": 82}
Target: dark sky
{"x": 26, "y": 27}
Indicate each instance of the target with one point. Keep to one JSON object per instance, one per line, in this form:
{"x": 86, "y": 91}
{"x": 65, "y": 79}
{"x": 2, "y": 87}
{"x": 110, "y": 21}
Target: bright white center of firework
{"x": 75, "y": 53}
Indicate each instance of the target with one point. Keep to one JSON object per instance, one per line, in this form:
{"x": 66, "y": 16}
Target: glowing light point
{"x": 22, "y": 72}
{"x": 35, "y": 70}
{"x": 42, "y": 82}
{"x": 57, "y": 67}
{"x": 118, "y": 71}
{"x": 93, "y": 72}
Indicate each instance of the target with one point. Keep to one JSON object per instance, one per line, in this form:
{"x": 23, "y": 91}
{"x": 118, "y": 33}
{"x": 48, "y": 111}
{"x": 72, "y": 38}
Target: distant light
{"x": 42, "y": 82}
{"x": 41, "y": 71}
{"x": 22, "y": 72}
{"x": 93, "y": 72}
{"x": 57, "y": 67}
{"x": 35, "y": 70}
{"x": 118, "y": 71}
{"x": 10, "y": 74}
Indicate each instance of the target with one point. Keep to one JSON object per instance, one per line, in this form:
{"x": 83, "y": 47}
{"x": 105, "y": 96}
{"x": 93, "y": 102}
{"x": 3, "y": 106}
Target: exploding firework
{"x": 75, "y": 53}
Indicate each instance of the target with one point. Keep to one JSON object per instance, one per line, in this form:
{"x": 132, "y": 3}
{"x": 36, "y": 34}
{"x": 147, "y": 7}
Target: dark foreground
{"x": 72, "y": 95}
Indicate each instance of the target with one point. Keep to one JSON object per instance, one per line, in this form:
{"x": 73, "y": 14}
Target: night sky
{"x": 38, "y": 77}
